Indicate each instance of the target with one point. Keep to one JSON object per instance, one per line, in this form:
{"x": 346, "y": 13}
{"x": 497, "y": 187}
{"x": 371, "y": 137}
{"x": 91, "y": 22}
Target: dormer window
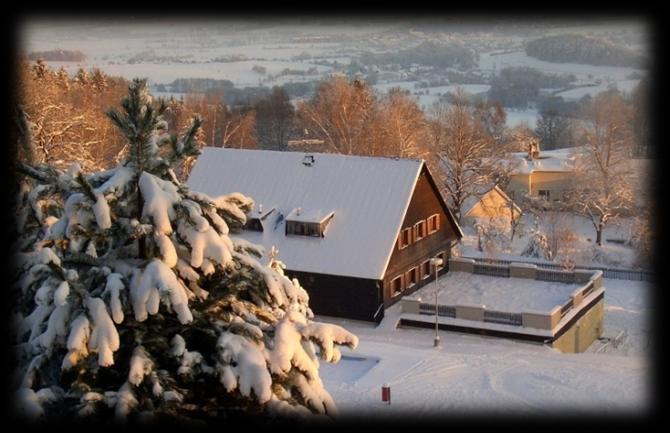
{"x": 308, "y": 223}
{"x": 256, "y": 218}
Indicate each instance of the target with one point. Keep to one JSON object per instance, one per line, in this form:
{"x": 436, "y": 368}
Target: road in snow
{"x": 472, "y": 373}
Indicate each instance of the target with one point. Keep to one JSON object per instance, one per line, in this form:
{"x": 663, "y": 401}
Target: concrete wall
{"x": 458, "y": 264}
{"x": 584, "y": 332}
{"x": 469, "y": 313}
{"x": 522, "y": 270}
{"x": 557, "y": 182}
{"x": 518, "y": 186}
{"x": 410, "y": 306}
{"x": 541, "y": 320}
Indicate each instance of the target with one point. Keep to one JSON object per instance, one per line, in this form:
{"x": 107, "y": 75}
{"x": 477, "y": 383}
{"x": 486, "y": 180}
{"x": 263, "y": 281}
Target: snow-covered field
{"x": 517, "y": 117}
{"x": 240, "y": 73}
{"x": 470, "y": 374}
{"x": 581, "y": 71}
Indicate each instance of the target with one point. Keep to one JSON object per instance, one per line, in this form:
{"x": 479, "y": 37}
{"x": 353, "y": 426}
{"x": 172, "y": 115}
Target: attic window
{"x": 256, "y": 218}
{"x": 433, "y": 223}
{"x": 253, "y": 224}
{"x": 405, "y": 238}
{"x": 313, "y": 223}
{"x": 420, "y": 230}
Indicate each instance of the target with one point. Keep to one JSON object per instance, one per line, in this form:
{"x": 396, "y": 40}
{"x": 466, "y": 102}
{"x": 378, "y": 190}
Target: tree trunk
{"x": 141, "y": 242}
{"x": 599, "y": 234}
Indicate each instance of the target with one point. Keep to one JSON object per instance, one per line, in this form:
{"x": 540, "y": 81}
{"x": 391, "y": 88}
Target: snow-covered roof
{"x": 470, "y": 202}
{"x": 369, "y": 197}
{"x": 549, "y": 160}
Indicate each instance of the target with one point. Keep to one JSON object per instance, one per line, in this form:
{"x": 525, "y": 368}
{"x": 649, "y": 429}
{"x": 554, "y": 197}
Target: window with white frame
{"x": 405, "y": 238}
{"x": 420, "y": 230}
{"x": 433, "y": 223}
{"x": 425, "y": 269}
{"x": 412, "y": 276}
{"x": 397, "y": 285}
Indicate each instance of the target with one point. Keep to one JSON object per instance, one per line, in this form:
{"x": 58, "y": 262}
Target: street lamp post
{"x": 435, "y": 262}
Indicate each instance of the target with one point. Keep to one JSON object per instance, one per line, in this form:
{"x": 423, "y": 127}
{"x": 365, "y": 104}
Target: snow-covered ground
{"x": 469, "y": 374}
{"x": 527, "y": 117}
{"x": 514, "y": 295}
{"x": 240, "y": 73}
{"x": 488, "y": 62}
{"x": 582, "y": 249}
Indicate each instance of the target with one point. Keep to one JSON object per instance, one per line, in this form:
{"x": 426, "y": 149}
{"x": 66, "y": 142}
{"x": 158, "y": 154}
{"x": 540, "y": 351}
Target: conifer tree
{"x": 134, "y": 300}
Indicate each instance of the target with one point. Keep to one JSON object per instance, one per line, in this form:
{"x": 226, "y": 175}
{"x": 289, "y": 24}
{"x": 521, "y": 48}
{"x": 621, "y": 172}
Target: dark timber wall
{"x": 425, "y": 202}
{"x": 334, "y": 295}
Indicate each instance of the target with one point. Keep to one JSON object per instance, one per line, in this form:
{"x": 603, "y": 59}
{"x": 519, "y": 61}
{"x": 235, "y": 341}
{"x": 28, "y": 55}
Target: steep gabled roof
{"x": 472, "y": 201}
{"x": 369, "y": 197}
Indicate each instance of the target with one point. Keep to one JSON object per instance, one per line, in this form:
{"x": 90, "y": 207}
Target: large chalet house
{"x": 358, "y": 232}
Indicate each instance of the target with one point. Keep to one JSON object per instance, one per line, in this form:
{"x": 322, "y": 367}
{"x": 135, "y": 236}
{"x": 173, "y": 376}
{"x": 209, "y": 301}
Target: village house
{"x": 358, "y": 232}
{"x": 547, "y": 174}
{"x": 492, "y": 204}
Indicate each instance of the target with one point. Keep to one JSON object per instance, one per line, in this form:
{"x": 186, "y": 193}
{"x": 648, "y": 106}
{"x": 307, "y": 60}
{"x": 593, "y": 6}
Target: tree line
{"x": 463, "y": 141}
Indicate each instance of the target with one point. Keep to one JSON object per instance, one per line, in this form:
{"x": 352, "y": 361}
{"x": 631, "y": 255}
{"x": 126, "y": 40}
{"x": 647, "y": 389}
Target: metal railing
{"x": 491, "y": 270}
{"x": 442, "y": 310}
{"x": 503, "y": 318}
{"x": 555, "y": 276}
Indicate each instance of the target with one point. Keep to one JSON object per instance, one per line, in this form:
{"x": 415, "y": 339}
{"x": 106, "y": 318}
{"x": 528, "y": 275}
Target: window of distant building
{"x": 544, "y": 193}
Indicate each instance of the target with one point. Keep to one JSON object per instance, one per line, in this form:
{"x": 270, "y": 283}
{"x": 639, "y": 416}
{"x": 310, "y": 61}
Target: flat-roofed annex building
{"x": 358, "y": 232}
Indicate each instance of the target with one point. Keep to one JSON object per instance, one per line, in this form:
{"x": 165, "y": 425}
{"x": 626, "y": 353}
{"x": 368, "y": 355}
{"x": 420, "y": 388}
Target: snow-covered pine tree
{"x": 134, "y": 300}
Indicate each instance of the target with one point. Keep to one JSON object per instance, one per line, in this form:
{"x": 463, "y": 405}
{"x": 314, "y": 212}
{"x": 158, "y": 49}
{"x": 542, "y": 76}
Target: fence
{"x": 491, "y": 270}
{"x": 555, "y": 276}
{"x": 619, "y": 274}
{"x": 503, "y": 318}
{"x": 442, "y": 310}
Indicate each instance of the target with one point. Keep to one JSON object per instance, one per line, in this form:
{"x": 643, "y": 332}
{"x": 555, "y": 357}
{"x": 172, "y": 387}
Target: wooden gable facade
{"x": 428, "y": 230}
{"x": 433, "y": 231}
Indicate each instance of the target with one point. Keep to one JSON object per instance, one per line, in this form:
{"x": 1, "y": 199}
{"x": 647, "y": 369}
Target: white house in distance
{"x": 358, "y": 232}
{"x": 547, "y": 174}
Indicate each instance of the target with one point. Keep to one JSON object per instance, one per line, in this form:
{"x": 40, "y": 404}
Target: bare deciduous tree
{"x": 603, "y": 172}
{"x": 341, "y": 113}
{"x": 469, "y": 160}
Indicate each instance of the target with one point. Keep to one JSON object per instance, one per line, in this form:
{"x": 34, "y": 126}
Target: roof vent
{"x": 308, "y": 160}
{"x": 260, "y": 208}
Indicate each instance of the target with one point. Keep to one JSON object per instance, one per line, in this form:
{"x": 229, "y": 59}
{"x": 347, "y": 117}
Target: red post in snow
{"x": 386, "y": 393}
